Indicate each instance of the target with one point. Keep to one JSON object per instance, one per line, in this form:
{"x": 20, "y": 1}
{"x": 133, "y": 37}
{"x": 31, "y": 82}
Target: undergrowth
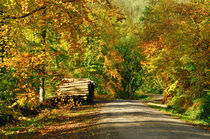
{"x": 138, "y": 96}
{"x": 49, "y": 119}
{"x": 204, "y": 123}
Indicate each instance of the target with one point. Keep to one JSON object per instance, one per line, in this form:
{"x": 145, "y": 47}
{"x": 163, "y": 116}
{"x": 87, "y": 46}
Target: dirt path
{"x": 133, "y": 120}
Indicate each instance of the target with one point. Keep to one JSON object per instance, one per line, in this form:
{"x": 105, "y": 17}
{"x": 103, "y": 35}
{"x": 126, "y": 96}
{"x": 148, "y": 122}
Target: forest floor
{"x": 54, "y": 122}
{"x": 110, "y": 119}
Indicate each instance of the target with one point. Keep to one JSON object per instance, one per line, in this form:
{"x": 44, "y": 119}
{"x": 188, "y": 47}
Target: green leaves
{"x": 50, "y": 38}
{"x": 174, "y": 43}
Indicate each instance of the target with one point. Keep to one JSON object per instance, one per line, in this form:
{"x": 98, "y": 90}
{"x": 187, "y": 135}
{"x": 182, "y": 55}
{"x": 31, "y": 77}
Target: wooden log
{"x": 76, "y": 83}
{"x": 79, "y": 88}
{"x": 73, "y": 86}
{"x": 76, "y": 80}
{"x": 72, "y": 92}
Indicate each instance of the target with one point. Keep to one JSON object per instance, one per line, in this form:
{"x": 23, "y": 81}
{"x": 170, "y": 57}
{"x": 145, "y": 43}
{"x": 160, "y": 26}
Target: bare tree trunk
{"x": 41, "y": 90}
{"x": 42, "y": 80}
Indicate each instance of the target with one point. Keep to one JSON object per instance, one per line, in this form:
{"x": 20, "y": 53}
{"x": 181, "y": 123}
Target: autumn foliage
{"x": 175, "y": 41}
{"x": 166, "y": 51}
{"x": 45, "y": 39}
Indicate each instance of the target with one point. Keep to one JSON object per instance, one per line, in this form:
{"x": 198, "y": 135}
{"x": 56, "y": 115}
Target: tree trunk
{"x": 41, "y": 91}
{"x": 44, "y": 33}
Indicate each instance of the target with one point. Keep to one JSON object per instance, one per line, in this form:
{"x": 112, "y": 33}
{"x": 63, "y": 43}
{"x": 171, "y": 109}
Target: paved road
{"x": 133, "y": 120}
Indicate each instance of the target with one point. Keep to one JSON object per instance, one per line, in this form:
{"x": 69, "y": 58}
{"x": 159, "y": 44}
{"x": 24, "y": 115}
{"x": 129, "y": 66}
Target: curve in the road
{"x": 134, "y": 120}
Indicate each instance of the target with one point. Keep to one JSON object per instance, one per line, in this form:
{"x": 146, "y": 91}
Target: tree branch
{"x": 26, "y": 15}
{"x": 65, "y": 1}
{"x": 109, "y": 4}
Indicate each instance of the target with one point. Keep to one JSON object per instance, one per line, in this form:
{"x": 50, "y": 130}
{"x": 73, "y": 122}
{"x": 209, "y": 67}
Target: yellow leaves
{"x": 28, "y": 94}
{"x": 81, "y": 28}
{"x": 4, "y": 28}
{"x": 112, "y": 87}
{"x": 25, "y": 64}
{"x": 185, "y": 59}
{"x": 116, "y": 56}
{"x": 112, "y": 73}
{"x": 178, "y": 57}
{"x": 106, "y": 60}
{"x": 14, "y": 104}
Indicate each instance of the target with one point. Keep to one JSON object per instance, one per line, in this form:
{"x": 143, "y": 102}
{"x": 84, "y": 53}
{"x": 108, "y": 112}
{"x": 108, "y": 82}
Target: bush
{"x": 205, "y": 114}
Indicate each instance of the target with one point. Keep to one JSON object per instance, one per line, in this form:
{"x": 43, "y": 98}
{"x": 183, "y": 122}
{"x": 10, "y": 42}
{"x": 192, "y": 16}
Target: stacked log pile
{"x": 77, "y": 90}
{"x": 74, "y": 87}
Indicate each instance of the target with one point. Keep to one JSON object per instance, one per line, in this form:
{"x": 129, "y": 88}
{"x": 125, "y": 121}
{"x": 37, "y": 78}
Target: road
{"x": 121, "y": 119}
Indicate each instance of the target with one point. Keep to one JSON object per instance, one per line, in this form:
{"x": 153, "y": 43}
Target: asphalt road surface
{"x": 122, "y": 119}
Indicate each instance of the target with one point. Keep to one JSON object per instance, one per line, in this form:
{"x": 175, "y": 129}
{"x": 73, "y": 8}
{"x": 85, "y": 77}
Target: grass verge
{"x": 139, "y": 96}
{"x": 205, "y": 124}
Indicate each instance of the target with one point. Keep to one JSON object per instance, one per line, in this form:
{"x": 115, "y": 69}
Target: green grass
{"x": 32, "y": 124}
{"x": 199, "y": 122}
{"x": 141, "y": 96}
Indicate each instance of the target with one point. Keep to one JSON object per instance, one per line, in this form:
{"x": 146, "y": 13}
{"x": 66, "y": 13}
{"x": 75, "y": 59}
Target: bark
{"x": 41, "y": 91}
{"x": 42, "y": 86}
{"x": 26, "y": 15}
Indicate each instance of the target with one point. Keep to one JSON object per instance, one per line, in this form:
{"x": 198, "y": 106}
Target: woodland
{"x": 159, "y": 49}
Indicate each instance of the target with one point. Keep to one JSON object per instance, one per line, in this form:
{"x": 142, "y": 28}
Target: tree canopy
{"x": 164, "y": 51}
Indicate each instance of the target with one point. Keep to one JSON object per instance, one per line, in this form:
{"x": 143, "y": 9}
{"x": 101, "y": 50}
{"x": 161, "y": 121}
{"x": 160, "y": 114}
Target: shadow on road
{"x": 150, "y": 128}
{"x": 98, "y": 131}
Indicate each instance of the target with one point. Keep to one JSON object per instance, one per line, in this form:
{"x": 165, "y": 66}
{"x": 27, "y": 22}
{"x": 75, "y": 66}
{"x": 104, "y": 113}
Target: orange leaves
{"x": 116, "y": 56}
{"x": 143, "y": 62}
{"x": 72, "y": 30}
{"x": 175, "y": 53}
{"x": 151, "y": 47}
{"x": 26, "y": 94}
{"x": 24, "y": 64}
